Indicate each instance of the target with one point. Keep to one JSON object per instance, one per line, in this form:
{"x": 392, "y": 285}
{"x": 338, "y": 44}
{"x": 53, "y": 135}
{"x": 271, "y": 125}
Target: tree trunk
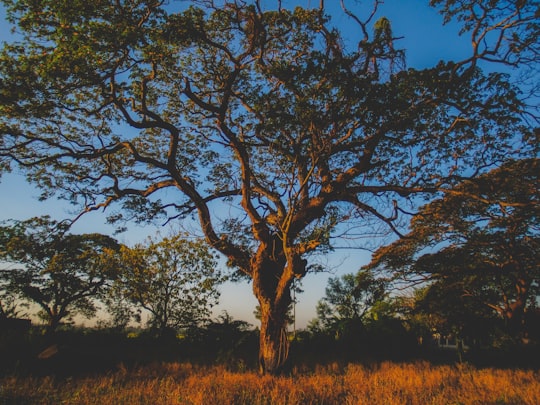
{"x": 52, "y": 324}
{"x": 273, "y": 343}
{"x": 271, "y": 285}
{"x": 514, "y": 312}
{"x": 515, "y": 320}
{"x": 273, "y": 272}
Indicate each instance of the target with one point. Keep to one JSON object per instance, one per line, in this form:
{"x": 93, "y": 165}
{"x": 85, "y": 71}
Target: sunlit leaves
{"x": 175, "y": 279}
{"x": 204, "y": 86}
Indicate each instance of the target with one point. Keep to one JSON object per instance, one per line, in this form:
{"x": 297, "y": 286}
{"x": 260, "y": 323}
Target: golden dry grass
{"x": 183, "y": 383}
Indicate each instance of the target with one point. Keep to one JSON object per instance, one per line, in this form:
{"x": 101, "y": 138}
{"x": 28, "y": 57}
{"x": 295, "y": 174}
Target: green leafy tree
{"x": 348, "y": 299}
{"x": 62, "y": 273}
{"x": 175, "y": 279}
{"x": 176, "y": 112}
{"x": 479, "y": 244}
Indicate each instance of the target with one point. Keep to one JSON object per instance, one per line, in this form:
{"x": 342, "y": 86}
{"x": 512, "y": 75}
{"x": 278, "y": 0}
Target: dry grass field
{"x": 183, "y": 383}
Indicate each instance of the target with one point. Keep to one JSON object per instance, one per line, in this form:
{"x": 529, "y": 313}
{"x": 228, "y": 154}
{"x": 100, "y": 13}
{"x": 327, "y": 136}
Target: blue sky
{"x": 426, "y": 42}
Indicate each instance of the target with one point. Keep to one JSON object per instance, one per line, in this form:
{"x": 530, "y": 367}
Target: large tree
{"x": 263, "y": 123}
{"x": 479, "y": 245}
{"x": 62, "y": 273}
{"x": 175, "y": 279}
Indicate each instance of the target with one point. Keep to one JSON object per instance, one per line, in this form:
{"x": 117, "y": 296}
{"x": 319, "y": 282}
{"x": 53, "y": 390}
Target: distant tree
{"x": 450, "y": 312}
{"x": 407, "y": 307}
{"x": 228, "y": 337}
{"x": 479, "y": 244}
{"x": 225, "y": 324}
{"x": 62, "y": 273}
{"x": 305, "y": 131}
{"x": 175, "y": 279}
{"x": 10, "y": 304}
{"x": 348, "y": 299}
{"x": 121, "y": 312}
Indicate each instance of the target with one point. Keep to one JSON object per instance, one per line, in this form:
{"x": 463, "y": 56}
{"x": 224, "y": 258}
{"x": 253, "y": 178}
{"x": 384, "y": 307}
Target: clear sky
{"x": 426, "y": 42}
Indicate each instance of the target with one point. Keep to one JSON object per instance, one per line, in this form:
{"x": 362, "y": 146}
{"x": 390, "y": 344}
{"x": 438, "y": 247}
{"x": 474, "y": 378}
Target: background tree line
{"x": 175, "y": 279}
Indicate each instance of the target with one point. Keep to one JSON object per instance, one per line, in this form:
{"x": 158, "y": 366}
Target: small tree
{"x": 175, "y": 279}
{"x": 348, "y": 298}
{"x": 62, "y": 273}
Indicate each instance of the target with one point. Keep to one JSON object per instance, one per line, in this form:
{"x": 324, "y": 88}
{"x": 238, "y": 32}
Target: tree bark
{"x": 273, "y": 343}
{"x": 514, "y": 312}
{"x": 272, "y": 280}
{"x": 52, "y": 324}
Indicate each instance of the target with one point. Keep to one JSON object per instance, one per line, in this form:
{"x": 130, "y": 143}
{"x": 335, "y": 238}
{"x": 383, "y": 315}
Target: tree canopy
{"x": 175, "y": 279}
{"x": 260, "y": 122}
{"x": 348, "y": 298}
{"x": 62, "y": 273}
{"x": 479, "y": 243}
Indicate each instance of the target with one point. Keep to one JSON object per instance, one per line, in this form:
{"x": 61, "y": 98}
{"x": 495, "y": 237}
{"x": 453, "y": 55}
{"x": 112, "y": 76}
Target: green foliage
{"x": 479, "y": 245}
{"x": 347, "y": 301}
{"x": 62, "y": 273}
{"x": 175, "y": 279}
{"x": 228, "y": 341}
{"x": 231, "y": 104}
